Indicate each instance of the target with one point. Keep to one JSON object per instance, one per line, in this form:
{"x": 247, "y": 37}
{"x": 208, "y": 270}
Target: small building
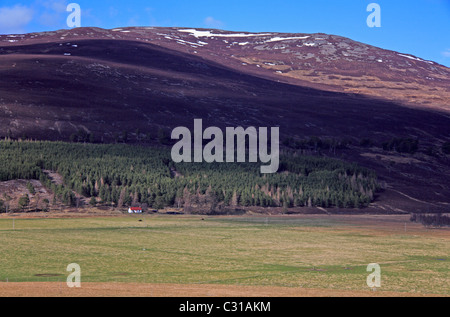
{"x": 135, "y": 210}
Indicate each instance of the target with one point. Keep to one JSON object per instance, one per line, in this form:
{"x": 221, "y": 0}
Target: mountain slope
{"x": 107, "y": 82}
{"x": 61, "y": 81}
{"x": 322, "y": 61}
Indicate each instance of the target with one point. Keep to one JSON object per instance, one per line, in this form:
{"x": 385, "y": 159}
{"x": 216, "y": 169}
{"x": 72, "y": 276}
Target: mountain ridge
{"x": 317, "y": 60}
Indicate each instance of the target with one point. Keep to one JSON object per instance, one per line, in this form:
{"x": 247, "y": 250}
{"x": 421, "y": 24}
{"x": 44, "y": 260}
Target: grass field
{"x": 311, "y": 252}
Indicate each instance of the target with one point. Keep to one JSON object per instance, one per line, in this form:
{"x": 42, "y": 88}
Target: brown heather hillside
{"x": 105, "y": 82}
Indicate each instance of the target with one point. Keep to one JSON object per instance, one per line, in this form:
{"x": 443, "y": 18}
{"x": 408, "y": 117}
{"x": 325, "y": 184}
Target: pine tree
{"x": 24, "y": 201}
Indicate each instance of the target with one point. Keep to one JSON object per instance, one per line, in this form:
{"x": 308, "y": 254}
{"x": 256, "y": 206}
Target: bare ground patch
{"x": 55, "y": 177}
{"x": 60, "y": 289}
{"x": 11, "y": 191}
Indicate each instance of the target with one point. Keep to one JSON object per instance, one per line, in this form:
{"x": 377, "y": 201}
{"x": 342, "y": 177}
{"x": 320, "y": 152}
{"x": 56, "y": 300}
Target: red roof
{"x": 135, "y": 208}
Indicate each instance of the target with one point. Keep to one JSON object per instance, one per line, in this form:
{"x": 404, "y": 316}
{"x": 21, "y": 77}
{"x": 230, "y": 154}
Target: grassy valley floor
{"x": 162, "y": 255}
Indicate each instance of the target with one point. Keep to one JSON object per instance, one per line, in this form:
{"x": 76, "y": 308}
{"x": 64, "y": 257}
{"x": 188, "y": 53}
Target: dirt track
{"x": 60, "y": 289}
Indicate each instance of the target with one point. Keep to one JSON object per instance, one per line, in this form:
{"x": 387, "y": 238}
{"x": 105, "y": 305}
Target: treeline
{"x": 316, "y": 144}
{"x": 401, "y": 145}
{"x": 398, "y": 144}
{"x": 124, "y": 175}
{"x": 160, "y": 136}
{"x": 435, "y": 220}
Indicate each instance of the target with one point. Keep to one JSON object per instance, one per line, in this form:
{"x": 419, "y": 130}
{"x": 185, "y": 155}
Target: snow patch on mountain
{"x": 415, "y": 58}
{"x": 198, "y": 33}
{"x": 277, "y": 38}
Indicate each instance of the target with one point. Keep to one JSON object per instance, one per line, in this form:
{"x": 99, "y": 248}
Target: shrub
{"x": 402, "y": 145}
{"x": 446, "y": 148}
{"x": 435, "y": 220}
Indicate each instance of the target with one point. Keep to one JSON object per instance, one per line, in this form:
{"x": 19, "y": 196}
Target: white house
{"x": 135, "y": 210}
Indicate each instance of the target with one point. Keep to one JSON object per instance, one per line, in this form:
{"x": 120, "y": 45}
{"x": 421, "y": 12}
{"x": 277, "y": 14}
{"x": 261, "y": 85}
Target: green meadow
{"x": 328, "y": 252}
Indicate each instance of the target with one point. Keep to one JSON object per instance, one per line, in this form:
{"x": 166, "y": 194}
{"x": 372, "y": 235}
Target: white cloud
{"x": 211, "y": 22}
{"x": 446, "y": 53}
{"x": 14, "y": 19}
{"x": 54, "y": 13}
{"x": 55, "y": 5}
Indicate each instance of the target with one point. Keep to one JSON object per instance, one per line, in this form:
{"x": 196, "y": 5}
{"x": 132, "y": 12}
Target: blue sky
{"x": 418, "y": 27}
